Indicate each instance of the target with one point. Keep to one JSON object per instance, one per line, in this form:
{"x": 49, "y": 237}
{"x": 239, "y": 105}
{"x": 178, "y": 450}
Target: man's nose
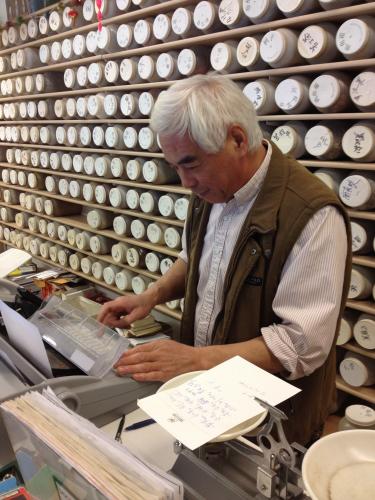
{"x": 187, "y": 178}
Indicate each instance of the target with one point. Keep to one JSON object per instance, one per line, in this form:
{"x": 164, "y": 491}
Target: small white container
{"x": 129, "y": 105}
{"x": 70, "y": 79}
{"x": 63, "y": 255}
{"x": 55, "y": 21}
{"x": 82, "y": 240}
{"x": 117, "y": 167}
{"x": 95, "y": 73}
{"x": 35, "y": 246}
{"x": 82, "y": 76}
{"x": 148, "y": 202}
{"x": 138, "y": 229}
{"x": 85, "y": 136}
{"x": 88, "y": 10}
{"x": 291, "y": 8}
{"x": 316, "y": 44}
{"x": 102, "y": 166}
{"x": 278, "y": 48}
{"x": 155, "y": 233}
{"x": 129, "y": 70}
{"x": 362, "y": 236}
{"x": 292, "y": 95}
{"x": 329, "y": 92}
{"x": 67, "y": 49}
{"x": 27, "y": 58}
{"x": 32, "y": 29}
{"x": 39, "y": 204}
{"x": 123, "y": 279}
{"x": 88, "y": 191}
{"x": 64, "y": 187}
{"x": 231, "y": 14}
{"x": 165, "y": 265}
{"x": 172, "y": 237}
{"x": 44, "y": 249}
{"x": 364, "y": 331}
{"x": 147, "y": 139}
{"x": 223, "y": 57}
{"x": 99, "y": 219}
{"x": 75, "y": 261}
{"x": 136, "y": 257}
{"x": 361, "y": 283}
{"x": 76, "y": 188}
{"x": 62, "y": 232}
{"x": 114, "y": 137}
{"x": 142, "y": 33}
{"x": 152, "y": 262}
{"x": 98, "y": 270}
{"x": 358, "y": 141}
{"x": 362, "y": 91}
{"x": 111, "y": 71}
{"x": 21, "y": 219}
{"x": 346, "y": 328}
{"x": 86, "y": 265}
{"x": 158, "y": 172}
{"x": 98, "y": 136}
{"x": 95, "y": 105}
{"x": 358, "y": 191}
{"x": 100, "y": 245}
{"x": 130, "y": 137}
{"x": 147, "y": 68}
{"x": 181, "y": 207}
{"x": 357, "y": 370}
{"x": 125, "y": 36}
{"x": 357, "y": 417}
{"x": 118, "y": 252}
{"x": 72, "y": 235}
{"x": 121, "y": 225}
{"x": 289, "y": 138}
{"x": 248, "y": 53}
{"x": 261, "y": 93}
{"x": 331, "y": 178}
{"x": 78, "y": 163}
{"x": 132, "y": 198}
{"x": 192, "y": 61}
{"x": 182, "y": 22}
{"x": 79, "y": 45}
{"x": 355, "y": 38}
{"x": 109, "y": 274}
{"x": 140, "y": 284}
{"x": 92, "y": 42}
{"x": 206, "y": 17}
{"x": 166, "y": 65}
{"x": 89, "y": 164}
{"x": 146, "y": 102}
{"x": 56, "y": 52}
{"x": 102, "y": 194}
{"x": 107, "y": 39}
{"x": 162, "y": 28}
{"x": 117, "y": 197}
{"x": 81, "y": 107}
{"x": 42, "y": 226}
{"x": 52, "y": 228}
{"x": 324, "y": 140}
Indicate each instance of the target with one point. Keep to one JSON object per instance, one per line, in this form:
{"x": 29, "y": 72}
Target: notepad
{"x": 11, "y": 259}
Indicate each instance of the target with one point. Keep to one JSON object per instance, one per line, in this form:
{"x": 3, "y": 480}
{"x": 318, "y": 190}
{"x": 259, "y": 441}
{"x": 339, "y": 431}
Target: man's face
{"x": 209, "y": 176}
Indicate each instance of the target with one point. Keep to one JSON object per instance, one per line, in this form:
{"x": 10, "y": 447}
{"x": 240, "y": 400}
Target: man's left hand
{"x": 158, "y": 361}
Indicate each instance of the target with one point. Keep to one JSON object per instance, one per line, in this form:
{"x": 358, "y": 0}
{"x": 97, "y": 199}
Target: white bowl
{"x": 232, "y": 433}
{"x": 341, "y": 466}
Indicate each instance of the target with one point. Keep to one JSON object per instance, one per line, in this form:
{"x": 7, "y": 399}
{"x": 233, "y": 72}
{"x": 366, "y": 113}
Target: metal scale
{"x": 234, "y": 470}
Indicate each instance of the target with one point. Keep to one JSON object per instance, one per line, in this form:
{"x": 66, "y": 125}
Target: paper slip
{"x": 215, "y": 401}
{"x": 26, "y": 338}
{"x": 11, "y": 259}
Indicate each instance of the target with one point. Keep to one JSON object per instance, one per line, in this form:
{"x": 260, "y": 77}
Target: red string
{"x": 99, "y": 4}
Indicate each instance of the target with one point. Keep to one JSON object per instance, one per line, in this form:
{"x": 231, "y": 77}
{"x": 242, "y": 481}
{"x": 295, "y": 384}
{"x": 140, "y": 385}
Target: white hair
{"x": 205, "y": 106}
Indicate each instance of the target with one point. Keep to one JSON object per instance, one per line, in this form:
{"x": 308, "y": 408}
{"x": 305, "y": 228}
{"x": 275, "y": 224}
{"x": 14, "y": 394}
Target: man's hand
{"x": 119, "y": 313}
{"x": 158, "y": 361}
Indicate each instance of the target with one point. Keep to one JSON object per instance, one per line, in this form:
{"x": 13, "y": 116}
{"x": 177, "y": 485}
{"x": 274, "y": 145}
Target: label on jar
{"x": 44, "y": 159}
{"x": 362, "y": 89}
{"x": 128, "y": 104}
{"x": 152, "y": 262}
{"x": 44, "y": 54}
{"x": 75, "y": 189}
{"x": 133, "y": 169}
{"x": 186, "y": 62}
{"x": 116, "y": 197}
{"x": 62, "y": 233}
{"x": 155, "y": 234}
{"x": 102, "y": 165}
{"x": 112, "y": 137}
{"x": 86, "y": 264}
{"x": 88, "y": 192}
{"x": 147, "y": 202}
{"x": 32, "y": 109}
{"x": 75, "y": 262}
{"x": 54, "y": 161}
{"x": 19, "y": 84}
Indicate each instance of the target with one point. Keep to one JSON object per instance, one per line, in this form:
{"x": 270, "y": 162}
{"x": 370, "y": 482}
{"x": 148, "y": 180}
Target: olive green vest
{"x": 290, "y": 195}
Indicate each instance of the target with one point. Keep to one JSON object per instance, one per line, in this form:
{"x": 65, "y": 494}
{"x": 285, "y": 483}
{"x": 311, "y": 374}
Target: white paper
{"x": 215, "y": 401}
{"x": 11, "y": 259}
{"x": 26, "y": 338}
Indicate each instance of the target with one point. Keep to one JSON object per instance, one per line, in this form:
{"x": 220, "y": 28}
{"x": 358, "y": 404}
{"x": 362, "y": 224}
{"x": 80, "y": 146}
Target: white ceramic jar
{"x": 143, "y": 34}
{"x": 107, "y": 39}
{"x": 355, "y": 38}
{"x": 290, "y": 138}
{"x": 278, "y": 48}
{"x": 231, "y": 14}
{"x": 117, "y": 197}
{"x": 248, "y": 53}
{"x": 361, "y": 282}
{"x": 292, "y": 8}
{"x": 363, "y": 234}
{"x": 118, "y": 167}
{"x": 206, "y": 16}
{"x": 331, "y": 178}
{"x": 121, "y": 225}
{"x": 138, "y": 229}
{"x": 111, "y": 71}
{"x": 182, "y": 22}
{"x": 129, "y": 70}
{"x": 364, "y": 331}
{"x": 346, "y": 327}
{"x": 316, "y": 43}
{"x": 324, "y": 140}
{"x": 136, "y": 257}
{"x": 292, "y": 95}
{"x": 358, "y": 191}
{"x": 165, "y": 265}
{"x": 123, "y": 280}
{"x": 99, "y": 219}
{"x": 358, "y": 141}
{"x": 192, "y": 61}
{"x": 357, "y": 370}
{"x": 125, "y": 36}
{"x": 329, "y": 92}
{"x": 223, "y": 57}
{"x": 261, "y": 93}
{"x": 362, "y": 91}
{"x": 118, "y": 252}
{"x": 162, "y": 28}
{"x": 158, "y": 172}
{"x": 166, "y": 65}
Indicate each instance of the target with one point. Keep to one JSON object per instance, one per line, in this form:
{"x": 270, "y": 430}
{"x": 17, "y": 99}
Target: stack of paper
{"x": 145, "y": 326}
{"x": 60, "y": 452}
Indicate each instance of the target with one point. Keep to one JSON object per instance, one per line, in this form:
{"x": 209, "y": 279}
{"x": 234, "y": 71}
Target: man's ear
{"x": 239, "y": 139}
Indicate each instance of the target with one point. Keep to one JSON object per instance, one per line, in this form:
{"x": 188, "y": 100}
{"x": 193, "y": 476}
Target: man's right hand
{"x": 119, "y": 313}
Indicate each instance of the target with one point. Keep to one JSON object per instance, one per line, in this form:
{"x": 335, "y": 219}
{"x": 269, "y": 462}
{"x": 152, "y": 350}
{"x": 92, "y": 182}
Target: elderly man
{"x": 265, "y": 260}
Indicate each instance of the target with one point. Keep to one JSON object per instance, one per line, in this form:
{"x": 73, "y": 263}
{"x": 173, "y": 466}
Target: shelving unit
{"x": 350, "y": 67}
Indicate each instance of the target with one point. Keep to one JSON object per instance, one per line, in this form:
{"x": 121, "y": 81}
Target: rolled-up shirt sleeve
{"x": 309, "y": 295}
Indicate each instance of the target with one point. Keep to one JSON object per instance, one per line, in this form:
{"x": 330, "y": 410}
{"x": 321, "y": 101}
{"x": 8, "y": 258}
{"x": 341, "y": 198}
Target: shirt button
{"x": 253, "y": 251}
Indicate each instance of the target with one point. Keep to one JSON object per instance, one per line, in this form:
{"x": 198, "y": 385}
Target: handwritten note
{"x": 213, "y": 402}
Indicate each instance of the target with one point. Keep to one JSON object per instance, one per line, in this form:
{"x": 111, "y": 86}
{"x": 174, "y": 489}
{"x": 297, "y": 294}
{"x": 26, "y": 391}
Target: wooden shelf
{"x": 366, "y": 393}
{"x": 344, "y": 164}
{"x": 361, "y": 305}
{"x": 72, "y": 149}
{"x": 161, "y": 308}
{"x": 354, "y": 347}
{"x": 364, "y": 260}
{"x": 169, "y": 188}
{"x": 361, "y": 214}
{"x": 78, "y": 121}
{"x": 316, "y": 116}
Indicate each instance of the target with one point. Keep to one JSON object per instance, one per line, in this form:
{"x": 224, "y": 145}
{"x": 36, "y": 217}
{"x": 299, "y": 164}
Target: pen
{"x": 139, "y": 425}
{"x": 120, "y": 428}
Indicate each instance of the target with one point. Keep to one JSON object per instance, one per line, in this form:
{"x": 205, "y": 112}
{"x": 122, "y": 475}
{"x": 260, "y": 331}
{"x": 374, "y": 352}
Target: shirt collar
{"x": 250, "y": 190}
